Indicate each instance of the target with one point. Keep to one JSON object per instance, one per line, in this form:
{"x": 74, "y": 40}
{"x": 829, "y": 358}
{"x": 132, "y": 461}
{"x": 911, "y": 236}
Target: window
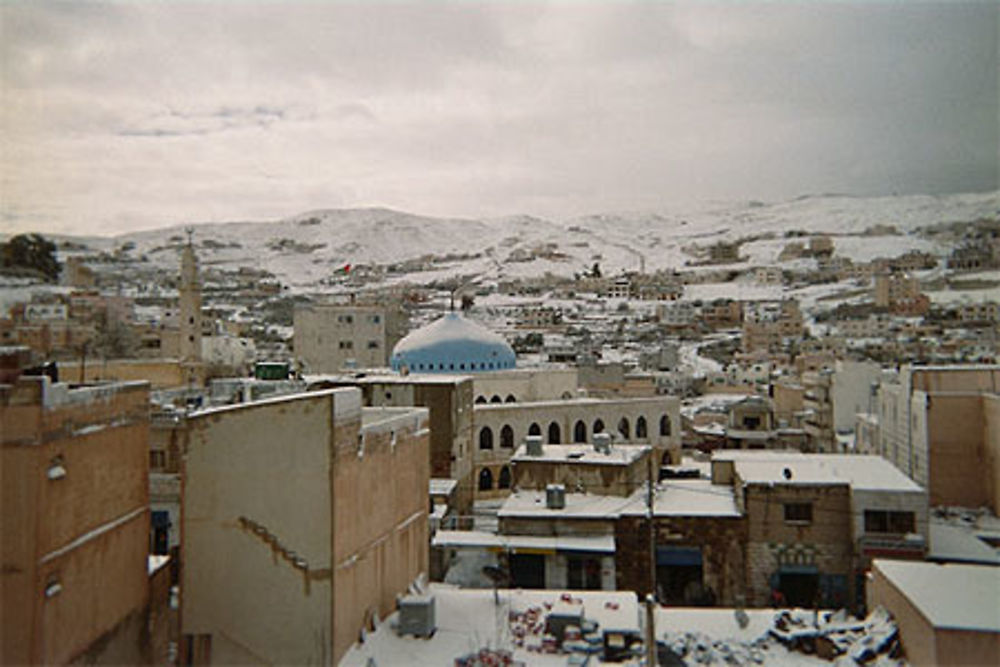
{"x": 623, "y": 427}
{"x": 157, "y": 459}
{"x": 485, "y": 480}
{"x": 376, "y": 319}
{"x": 507, "y": 436}
{"x": 640, "y": 427}
{"x": 486, "y": 438}
{"x": 882, "y": 521}
{"x": 798, "y": 512}
{"x": 534, "y": 429}
{"x": 555, "y": 434}
{"x": 480, "y": 399}
{"x": 346, "y": 345}
{"x": 503, "y": 480}
{"x": 583, "y": 573}
{"x": 373, "y": 345}
{"x": 665, "y": 425}
{"x": 580, "y": 432}
{"x": 598, "y": 426}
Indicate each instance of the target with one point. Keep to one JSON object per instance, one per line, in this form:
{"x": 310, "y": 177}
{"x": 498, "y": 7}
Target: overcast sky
{"x": 135, "y": 115}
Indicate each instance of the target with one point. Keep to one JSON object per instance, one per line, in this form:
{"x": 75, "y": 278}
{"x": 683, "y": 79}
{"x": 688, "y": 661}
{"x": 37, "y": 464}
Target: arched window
{"x": 496, "y": 399}
{"x": 486, "y": 438}
{"x": 640, "y": 427}
{"x": 534, "y": 429}
{"x": 485, "y": 480}
{"x": 503, "y": 480}
{"x": 665, "y": 425}
{"x": 598, "y": 426}
{"x": 623, "y": 427}
{"x": 555, "y": 434}
{"x": 510, "y": 399}
{"x": 580, "y": 432}
{"x": 507, "y": 436}
{"x": 480, "y": 399}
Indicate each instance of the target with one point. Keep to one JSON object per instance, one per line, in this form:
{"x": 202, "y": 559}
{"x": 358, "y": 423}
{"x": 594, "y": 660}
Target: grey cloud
{"x": 142, "y": 113}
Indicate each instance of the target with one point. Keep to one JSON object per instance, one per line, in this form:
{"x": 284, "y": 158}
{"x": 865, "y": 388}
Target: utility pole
{"x": 651, "y": 534}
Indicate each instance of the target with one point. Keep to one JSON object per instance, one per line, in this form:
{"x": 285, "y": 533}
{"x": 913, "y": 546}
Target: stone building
{"x": 770, "y": 325}
{"x": 499, "y": 429}
{"x": 700, "y": 538}
{"x": 331, "y": 337}
{"x": 75, "y": 530}
{"x": 601, "y": 468}
{"x": 815, "y": 521}
{"x": 900, "y": 293}
{"x": 292, "y": 544}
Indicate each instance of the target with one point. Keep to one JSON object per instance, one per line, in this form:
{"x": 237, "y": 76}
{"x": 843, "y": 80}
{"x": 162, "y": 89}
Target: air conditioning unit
{"x": 602, "y": 443}
{"x": 533, "y": 444}
{"x": 416, "y": 615}
{"x": 555, "y": 496}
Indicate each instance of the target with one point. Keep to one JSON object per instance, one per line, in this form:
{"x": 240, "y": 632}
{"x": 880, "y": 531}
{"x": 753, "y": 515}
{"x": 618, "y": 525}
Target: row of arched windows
{"x": 579, "y": 431}
{"x": 496, "y": 399}
{"x": 486, "y": 479}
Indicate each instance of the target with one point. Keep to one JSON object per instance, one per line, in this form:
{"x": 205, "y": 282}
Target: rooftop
{"x": 470, "y": 619}
{"x": 583, "y": 454}
{"x": 955, "y": 596}
{"x": 860, "y": 472}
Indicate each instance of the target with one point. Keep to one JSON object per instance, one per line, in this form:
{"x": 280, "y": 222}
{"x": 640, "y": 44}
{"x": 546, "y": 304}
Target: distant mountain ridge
{"x": 302, "y": 249}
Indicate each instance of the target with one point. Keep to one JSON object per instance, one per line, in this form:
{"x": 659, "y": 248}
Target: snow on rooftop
{"x": 582, "y": 454}
{"x": 442, "y": 486}
{"x": 861, "y": 472}
{"x": 956, "y": 596}
{"x": 959, "y": 543}
{"x": 492, "y": 541}
{"x": 469, "y": 619}
{"x": 687, "y": 497}
{"x": 527, "y": 503}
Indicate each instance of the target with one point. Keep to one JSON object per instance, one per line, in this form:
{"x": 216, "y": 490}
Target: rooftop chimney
{"x": 555, "y": 496}
{"x": 602, "y": 443}
{"x": 533, "y": 443}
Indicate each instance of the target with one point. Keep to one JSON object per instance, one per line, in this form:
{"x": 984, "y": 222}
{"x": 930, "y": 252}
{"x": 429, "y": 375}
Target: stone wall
{"x": 721, "y": 539}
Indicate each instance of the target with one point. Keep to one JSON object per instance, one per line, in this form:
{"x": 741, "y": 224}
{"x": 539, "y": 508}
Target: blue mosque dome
{"x": 452, "y": 344}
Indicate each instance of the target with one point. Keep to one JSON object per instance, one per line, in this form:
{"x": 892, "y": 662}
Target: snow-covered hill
{"x": 304, "y": 249}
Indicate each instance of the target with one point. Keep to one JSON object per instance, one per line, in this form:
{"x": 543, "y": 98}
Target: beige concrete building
{"x": 74, "y": 535}
{"x": 946, "y": 614}
{"x": 525, "y": 385}
{"x": 303, "y": 517}
{"x": 448, "y": 399}
{"x": 332, "y": 337}
{"x": 939, "y": 425}
{"x": 900, "y": 293}
{"x": 769, "y": 325}
{"x": 499, "y": 429}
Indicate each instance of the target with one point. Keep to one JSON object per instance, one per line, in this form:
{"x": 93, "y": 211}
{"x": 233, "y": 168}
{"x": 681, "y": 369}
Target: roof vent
{"x": 787, "y": 473}
{"x": 602, "y": 443}
{"x": 555, "y": 496}
{"x": 533, "y": 443}
{"x": 416, "y": 615}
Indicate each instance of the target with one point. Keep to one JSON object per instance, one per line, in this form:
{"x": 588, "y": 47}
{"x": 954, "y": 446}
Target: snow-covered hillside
{"x": 305, "y": 249}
